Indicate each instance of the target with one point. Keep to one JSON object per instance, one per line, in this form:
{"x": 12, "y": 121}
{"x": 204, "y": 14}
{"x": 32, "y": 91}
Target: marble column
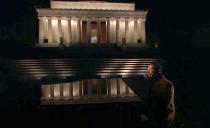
{"x": 51, "y": 91}
{"x": 41, "y": 30}
{"x": 55, "y": 31}
{"x": 127, "y": 90}
{"x": 88, "y": 30}
{"x": 61, "y": 91}
{"x": 69, "y": 31}
{"x": 118, "y": 87}
{"x": 45, "y": 28}
{"x": 117, "y": 30}
{"x": 79, "y": 30}
{"x": 143, "y": 31}
{"x": 126, "y": 30}
{"x": 59, "y": 31}
{"x": 108, "y": 87}
{"x": 80, "y": 88}
{"x": 108, "y": 30}
{"x": 89, "y": 89}
{"x": 100, "y": 89}
{"x": 70, "y": 90}
{"x": 50, "y": 39}
{"x": 135, "y": 31}
{"x": 98, "y": 31}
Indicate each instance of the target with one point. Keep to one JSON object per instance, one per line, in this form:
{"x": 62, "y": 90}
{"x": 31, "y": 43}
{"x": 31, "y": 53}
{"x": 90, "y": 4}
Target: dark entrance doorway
{"x": 84, "y": 32}
{"x": 93, "y": 32}
{"x": 103, "y": 32}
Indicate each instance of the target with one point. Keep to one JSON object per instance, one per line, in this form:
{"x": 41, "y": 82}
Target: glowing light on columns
{"x": 55, "y": 30}
{"x": 122, "y": 88}
{"x": 75, "y": 89}
{"x": 113, "y": 84}
{"x": 131, "y": 31}
{"x": 143, "y": 31}
{"x": 66, "y": 87}
{"x": 139, "y": 30}
{"x": 64, "y": 22}
{"x": 54, "y": 22}
{"x": 41, "y": 30}
{"x": 131, "y": 23}
{"x": 121, "y": 30}
{"x": 112, "y": 30}
{"x": 57, "y": 91}
{"x": 45, "y": 92}
{"x": 45, "y": 28}
{"x": 65, "y": 30}
{"x": 113, "y": 89}
{"x": 74, "y": 22}
{"x": 74, "y": 30}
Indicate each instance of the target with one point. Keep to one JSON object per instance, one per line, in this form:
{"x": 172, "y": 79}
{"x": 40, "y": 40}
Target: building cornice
{"x": 98, "y": 5}
{"x": 46, "y": 12}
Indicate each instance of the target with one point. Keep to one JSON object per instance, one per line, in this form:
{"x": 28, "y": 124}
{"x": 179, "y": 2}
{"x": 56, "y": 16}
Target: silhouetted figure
{"x": 123, "y": 44}
{"x": 157, "y": 94}
{"x": 161, "y": 98}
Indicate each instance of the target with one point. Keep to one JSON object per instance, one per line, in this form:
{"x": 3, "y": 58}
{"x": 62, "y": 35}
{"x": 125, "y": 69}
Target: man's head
{"x": 153, "y": 70}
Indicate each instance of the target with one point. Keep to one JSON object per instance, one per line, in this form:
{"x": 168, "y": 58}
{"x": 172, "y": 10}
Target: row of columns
{"x": 71, "y": 91}
{"x": 52, "y": 29}
{"x": 76, "y": 90}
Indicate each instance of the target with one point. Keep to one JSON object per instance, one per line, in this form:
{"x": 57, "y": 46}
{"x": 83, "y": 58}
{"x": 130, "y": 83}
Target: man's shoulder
{"x": 164, "y": 85}
{"x": 165, "y": 82}
{"x": 169, "y": 85}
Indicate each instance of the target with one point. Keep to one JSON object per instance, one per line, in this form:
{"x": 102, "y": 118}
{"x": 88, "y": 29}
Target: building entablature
{"x": 95, "y": 5}
{"x": 91, "y": 13}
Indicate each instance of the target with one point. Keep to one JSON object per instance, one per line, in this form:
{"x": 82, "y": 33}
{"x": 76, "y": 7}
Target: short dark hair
{"x": 157, "y": 67}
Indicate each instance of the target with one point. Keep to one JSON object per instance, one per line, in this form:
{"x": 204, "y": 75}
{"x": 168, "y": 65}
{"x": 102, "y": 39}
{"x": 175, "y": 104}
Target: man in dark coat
{"x": 161, "y": 98}
{"x": 158, "y": 93}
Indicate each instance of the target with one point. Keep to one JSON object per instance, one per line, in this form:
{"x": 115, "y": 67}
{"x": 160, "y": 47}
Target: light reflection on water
{"x": 86, "y": 89}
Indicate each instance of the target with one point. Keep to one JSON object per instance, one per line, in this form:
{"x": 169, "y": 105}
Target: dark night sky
{"x": 172, "y": 22}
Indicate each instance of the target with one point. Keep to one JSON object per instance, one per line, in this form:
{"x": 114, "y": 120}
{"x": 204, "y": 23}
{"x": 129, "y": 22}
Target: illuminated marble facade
{"x": 90, "y": 22}
{"x": 60, "y": 81}
{"x": 95, "y": 90}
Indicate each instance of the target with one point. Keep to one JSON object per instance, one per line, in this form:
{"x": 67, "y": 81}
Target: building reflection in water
{"x": 87, "y": 91}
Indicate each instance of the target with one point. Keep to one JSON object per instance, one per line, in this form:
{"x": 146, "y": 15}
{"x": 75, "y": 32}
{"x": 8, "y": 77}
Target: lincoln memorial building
{"x": 96, "y": 22}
